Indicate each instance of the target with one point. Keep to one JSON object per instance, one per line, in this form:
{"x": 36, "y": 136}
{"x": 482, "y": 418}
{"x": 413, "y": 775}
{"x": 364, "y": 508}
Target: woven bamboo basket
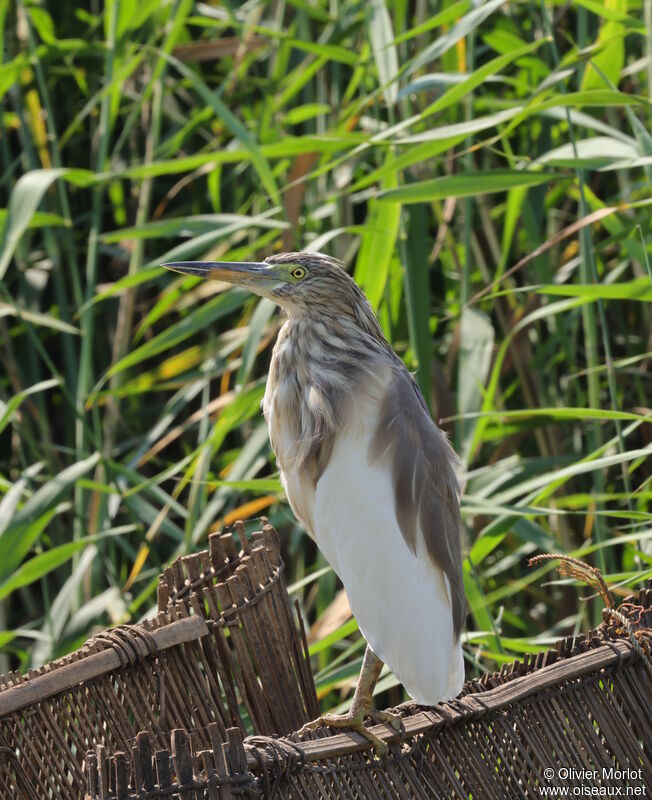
{"x": 575, "y": 716}
{"x": 223, "y": 653}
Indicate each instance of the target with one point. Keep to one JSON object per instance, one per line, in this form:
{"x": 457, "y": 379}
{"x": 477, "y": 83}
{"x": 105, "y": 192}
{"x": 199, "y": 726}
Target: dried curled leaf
{"x": 574, "y": 568}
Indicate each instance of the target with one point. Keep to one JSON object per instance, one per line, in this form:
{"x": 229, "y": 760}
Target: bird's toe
{"x": 355, "y": 721}
{"x": 389, "y": 718}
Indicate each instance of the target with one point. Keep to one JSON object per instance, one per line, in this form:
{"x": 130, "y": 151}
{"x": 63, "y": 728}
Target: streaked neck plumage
{"x": 316, "y": 366}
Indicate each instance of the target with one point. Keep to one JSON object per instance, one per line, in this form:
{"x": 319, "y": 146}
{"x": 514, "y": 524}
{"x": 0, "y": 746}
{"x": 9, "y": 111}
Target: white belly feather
{"x": 401, "y": 601}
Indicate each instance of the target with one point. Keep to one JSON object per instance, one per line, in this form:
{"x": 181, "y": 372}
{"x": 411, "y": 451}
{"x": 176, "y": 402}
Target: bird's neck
{"x": 311, "y": 346}
{"x": 316, "y": 369}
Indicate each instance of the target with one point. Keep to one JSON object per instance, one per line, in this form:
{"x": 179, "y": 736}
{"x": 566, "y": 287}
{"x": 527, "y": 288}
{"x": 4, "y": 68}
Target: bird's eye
{"x": 298, "y": 273}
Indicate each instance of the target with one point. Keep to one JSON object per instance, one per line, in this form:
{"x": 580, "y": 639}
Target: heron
{"x": 366, "y": 471}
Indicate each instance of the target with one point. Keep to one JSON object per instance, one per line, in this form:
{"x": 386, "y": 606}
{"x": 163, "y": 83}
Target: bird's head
{"x": 302, "y": 283}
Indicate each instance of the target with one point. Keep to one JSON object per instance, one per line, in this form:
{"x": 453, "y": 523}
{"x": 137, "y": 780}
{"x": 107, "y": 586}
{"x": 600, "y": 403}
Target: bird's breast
{"x": 306, "y": 417}
{"x": 284, "y": 411}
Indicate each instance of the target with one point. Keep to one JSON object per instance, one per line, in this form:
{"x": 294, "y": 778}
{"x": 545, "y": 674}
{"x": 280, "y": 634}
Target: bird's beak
{"x": 242, "y": 273}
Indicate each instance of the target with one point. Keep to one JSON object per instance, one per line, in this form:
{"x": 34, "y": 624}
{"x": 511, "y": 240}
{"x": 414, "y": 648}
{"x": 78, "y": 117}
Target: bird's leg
{"x": 361, "y": 706}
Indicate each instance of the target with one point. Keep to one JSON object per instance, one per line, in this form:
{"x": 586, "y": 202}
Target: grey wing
{"x": 425, "y": 485}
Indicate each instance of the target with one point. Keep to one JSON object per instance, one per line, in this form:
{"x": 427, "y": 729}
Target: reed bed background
{"x": 484, "y": 169}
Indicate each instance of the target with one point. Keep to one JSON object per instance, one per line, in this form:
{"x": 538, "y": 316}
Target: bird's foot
{"x": 410, "y": 707}
{"x": 355, "y": 720}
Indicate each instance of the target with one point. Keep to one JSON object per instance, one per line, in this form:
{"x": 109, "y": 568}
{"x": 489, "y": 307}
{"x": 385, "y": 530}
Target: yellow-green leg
{"x": 361, "y": 706}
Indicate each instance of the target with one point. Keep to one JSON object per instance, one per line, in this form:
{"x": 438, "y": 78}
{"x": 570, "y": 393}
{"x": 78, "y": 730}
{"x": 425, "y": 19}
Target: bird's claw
{"x": 410, "y": 707}
{"x": 355, "y": 721}
{"x": 389, "y": 718}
